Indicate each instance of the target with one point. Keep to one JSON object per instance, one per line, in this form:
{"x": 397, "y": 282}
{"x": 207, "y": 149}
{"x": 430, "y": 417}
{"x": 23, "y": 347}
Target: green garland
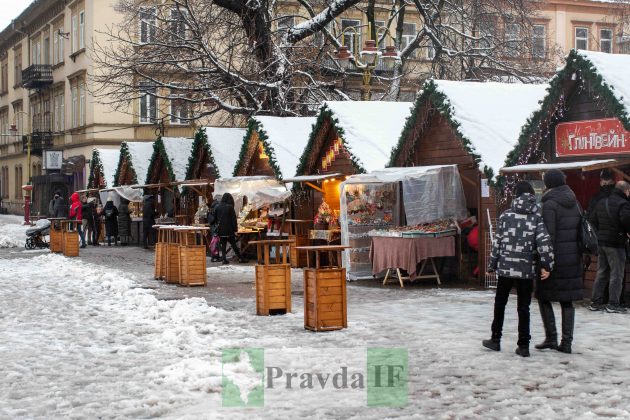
{"x": 159, "y": 150}
{"x": 254, "y": 126}
{"x": 124, "y": 155}
{"x": 325, "y": 113}
{"x": 575, "y": 63}
{"x": 95, "y": 163}
{"x": 431, "y": 94}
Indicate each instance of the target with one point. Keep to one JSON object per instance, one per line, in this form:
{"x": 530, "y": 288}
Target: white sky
{"x": 10, "y": 9}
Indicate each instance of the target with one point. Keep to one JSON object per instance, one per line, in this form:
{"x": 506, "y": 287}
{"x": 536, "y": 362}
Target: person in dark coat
{"x": 87, "y": 211}
{"x": 76, "y": 214}
{"x": 606, "y": 185}
{"x": 211, "y": 218}
{"x": 60, "y": 207}
{"x": 227, "y": 226}
{"x": 51, "y": 204}
{"x": 611, "y": 218}
{"x": 148, "y": 220}
{"x": 562, "y": 216}
{"x": 110, "y": 213}
{"x": 519, "y": 237}
{"x": 124, "y": 222}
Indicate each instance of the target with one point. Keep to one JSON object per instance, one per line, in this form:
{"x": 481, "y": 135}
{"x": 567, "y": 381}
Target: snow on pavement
{"x": 12, "y": 232}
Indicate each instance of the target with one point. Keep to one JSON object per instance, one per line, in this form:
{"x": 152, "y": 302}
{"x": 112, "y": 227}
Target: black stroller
{"x": 35, "y": 236}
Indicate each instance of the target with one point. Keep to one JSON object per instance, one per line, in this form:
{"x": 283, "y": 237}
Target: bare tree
{"x": 259, "y": 57}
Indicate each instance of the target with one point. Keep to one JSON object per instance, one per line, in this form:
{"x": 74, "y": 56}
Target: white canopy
{"x": 260, "y": 190}
{"x": 588, "y": 165}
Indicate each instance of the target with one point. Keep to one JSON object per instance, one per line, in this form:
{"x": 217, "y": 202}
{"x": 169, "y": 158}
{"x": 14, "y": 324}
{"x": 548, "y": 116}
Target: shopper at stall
{"x": 60, "y": 206}
{"x": 98, "y": 219}
{"x": 520, "y": 234}
{"x": 148, "y": 220}
{"x": 213, "y": 224}
{"x": 87, "y": 212}
{"x": 562, "y": 217}
{"x": 51, "y": 204}
{"x": 606, "y": 185}
{"x": 110, "y": 213}
{"x": 76, "y": 214}
{"x": 611, "y": 218}
{"x": 227, "y": 227}
{"x": 124, "y": 222}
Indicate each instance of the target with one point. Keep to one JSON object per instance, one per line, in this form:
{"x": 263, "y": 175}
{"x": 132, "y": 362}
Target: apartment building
{"x": 46, "y": 98}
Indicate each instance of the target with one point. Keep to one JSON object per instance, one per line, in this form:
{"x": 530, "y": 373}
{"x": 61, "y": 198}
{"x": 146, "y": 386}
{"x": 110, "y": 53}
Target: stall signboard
{"x": 53, "y": 159}
{"x": 592, "y": 138}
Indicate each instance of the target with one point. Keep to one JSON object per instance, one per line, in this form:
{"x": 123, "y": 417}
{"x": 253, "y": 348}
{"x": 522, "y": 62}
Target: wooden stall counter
{"x": 273, "y": 276}
{"x": 191, "y": 255}
{"x": 161, "y": 250}
{"x": 56, "y": 234}
{"x": 325, "y": 301}
{"x": 171, "y": 255}
{"x": 298, "y": 232}
{"x": 70, "y": 237}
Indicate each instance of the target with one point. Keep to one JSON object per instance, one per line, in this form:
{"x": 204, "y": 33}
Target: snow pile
{"x": 225, "y": 146}
{"x": 614, "y": 69}
{"x": 140, "y": 153}
{"x": 109, "y": 162}
{"x": 178, "y": 151}
{"x": 491, "y": 115}
{"x": 12, "y": 234}
{"x": 370, "y": 129}
{"x": 288, "y": 137}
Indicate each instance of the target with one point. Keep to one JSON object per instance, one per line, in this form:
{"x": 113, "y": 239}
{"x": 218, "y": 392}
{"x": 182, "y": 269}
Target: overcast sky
{"x": 10, "y": 9}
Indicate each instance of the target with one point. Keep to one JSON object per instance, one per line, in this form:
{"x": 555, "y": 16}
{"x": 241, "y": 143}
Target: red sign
{"x": 593, "y": 137}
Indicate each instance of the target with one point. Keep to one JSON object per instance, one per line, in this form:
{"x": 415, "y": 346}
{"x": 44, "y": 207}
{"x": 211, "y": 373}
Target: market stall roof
{"x": 107, "y": 159}
{"x": 396, "y": 174}
{"x": 588, "y": 165}
{"x": 225, "y": 145}
{"x": 487, "y": 116}
{"x": 138, "y": 155}
{"x": 259, "y": 190}
{"x": 178, "y": 151}
{"x": 311, "y": 178}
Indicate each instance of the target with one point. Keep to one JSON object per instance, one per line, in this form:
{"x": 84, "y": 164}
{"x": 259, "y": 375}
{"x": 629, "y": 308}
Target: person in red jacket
{"x": 75, "y": 214}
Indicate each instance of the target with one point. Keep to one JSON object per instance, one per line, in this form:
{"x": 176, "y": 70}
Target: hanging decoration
{"x": 332, "y": 153}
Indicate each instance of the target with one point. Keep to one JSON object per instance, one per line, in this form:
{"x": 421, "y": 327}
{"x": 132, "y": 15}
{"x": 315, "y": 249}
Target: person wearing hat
{"x": 611, "y": 218}
{"x": 606, "y": 185}
{"x": 519, "y": 237}
{"x": 60, "y": 206}
{"x": 110, "y": 213}
{"x": 563, "y": 217}
{"x": 51, "y": 204}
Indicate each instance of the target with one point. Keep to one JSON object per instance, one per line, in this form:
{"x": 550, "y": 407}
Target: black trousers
{"x": 524, "y": 288}
{"x": 232, "y": 241}
{"x": 148, "y": 235}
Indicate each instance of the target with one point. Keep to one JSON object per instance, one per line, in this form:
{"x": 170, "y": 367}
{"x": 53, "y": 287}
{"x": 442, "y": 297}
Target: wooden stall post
{"x": 325, "y": 301}
{"x": 172, "y": 256}
{"x": 70, "y": 242}
{"x": 273, "y": 277}
{"x": 299, "y": 231}
{"x": 56, "y": 234}
{"x": 160, "y": 252}
{"x": 192, "y": 255}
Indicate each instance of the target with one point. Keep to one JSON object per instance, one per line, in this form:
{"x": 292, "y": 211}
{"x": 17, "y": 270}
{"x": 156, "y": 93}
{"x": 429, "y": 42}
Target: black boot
{"x": 522, "y": 351}
{"x": 568, "y": 321}
{"x": 549, "y": 322}
{"x": 492, "y": 344}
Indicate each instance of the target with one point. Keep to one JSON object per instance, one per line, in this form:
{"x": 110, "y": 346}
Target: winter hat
{"x": 606, "y": 175}
{"x": 554, "y": 178}
{"x": 523, "y": 187}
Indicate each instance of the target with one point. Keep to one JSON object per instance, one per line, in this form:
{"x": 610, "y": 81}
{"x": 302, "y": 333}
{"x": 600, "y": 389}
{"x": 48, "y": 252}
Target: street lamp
{"x": 369, "y": 58}
{"x": 28, "y": 187}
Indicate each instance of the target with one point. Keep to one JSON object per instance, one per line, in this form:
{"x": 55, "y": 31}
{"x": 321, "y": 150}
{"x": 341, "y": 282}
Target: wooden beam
{"x": 622, "y": 173}
{"x": 315, "y": 187}
{"x": 468, "y": 180}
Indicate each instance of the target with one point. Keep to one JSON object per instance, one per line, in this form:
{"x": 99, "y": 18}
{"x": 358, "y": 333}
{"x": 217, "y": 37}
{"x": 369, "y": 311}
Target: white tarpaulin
{"x": 260, "y": 191}
{"x": 126, "y": 191}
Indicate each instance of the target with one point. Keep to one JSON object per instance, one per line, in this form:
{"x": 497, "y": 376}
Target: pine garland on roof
{"x": 124, "y": 155}
{"x": 200, "y": 141}
{"x": 160, "y": 150}
{"x": 95, "y": 164}
{"x": 254, "y": 126}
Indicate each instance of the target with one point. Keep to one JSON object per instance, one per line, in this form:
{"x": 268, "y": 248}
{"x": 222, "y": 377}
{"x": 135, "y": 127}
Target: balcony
{"x": 37, "y": 76}
{"x": 41, "y": 137}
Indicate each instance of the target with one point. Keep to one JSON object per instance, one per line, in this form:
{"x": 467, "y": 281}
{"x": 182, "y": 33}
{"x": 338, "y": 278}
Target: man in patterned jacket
{"x": 521, "y": 242}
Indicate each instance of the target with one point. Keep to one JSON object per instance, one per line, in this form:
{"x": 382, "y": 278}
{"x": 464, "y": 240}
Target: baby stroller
{"x": 35, "y": 236}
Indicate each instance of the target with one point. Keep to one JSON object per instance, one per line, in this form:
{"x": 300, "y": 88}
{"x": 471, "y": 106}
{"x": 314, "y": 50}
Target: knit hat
{"x": 554, "y": 178}
{"x": 606, "y": 174}
{"x": 523, "y": 187}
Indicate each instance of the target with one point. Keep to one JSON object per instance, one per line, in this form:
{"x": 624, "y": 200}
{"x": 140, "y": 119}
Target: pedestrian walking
{"x": 227, "y": 227}
{"x": 124, "y": 222}
{"x": 215, "y": 241}
{"x": 60, "y": 207}
{"x": 520, "y": 237}
{"x": 76, "y": 214}
{"x": 51, "y": 204}
{"x": 98, "y": 219}
{"x": 563, "y": 218}
{"x": 606, "y": 186}
{"x": 611, "y": 218}
{"x": 110, "y": 213}
{"x": 148, "y": 220}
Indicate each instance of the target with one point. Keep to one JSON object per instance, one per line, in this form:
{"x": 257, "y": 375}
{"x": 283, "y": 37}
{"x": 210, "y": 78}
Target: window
{"x": 17, "y": 68}
{"x": 408, "y": 36}
{"x": 148, "y": 104}
{"x": 36, "y": 52}
{"x": 351, "y": 39}
{"x": 180, "y": 108}
{"x": 605, "y": 40}
{"x": 512, "y": 39}
{"x": 81, "y": 103}
{"x": 430, "y": 50}
{"x": 178, "y": 26}
{"x": 58, "y": 112}
{"x": 18, "y": 181}
{"x": 4, "y": 76}
{"x": 147, "y": 24}
{"x": 379, "y": 33}
{"x": 17, "y": 112}
{"x": 81, "y": 29}
{"x": 5, "y": 182}
{"x": 58, "y": 42}
{"x": 74, "y": 90}
{"x": 581, "y": 38}
{"x": 539, "y": 41}
{"x": 487, "y": 30}
{"x": 46, "y": 51}
{"x": 75, "y": 33}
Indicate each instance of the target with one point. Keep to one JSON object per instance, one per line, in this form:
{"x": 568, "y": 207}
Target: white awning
{"x": 310, "y": 178}
{"x": 587, "y": 165}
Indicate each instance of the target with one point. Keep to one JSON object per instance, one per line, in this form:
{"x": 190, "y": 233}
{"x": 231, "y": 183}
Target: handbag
{"x": 587, "y": 236}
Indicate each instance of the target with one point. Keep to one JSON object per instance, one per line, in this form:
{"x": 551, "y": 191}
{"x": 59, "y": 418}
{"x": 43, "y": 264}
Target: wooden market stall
{"x": 474, "y": 126}
{"x": 103, "y": 166}
{"x": 581, "y": 127}
{"x": 133, "y": 162}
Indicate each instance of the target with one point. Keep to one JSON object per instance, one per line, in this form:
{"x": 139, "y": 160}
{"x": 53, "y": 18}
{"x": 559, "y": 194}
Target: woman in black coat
{"x": 124, "y": 221}
{"x": 227, "y": 226}
{"x": 562, "y": 217}
{"x": 110, "y": 214}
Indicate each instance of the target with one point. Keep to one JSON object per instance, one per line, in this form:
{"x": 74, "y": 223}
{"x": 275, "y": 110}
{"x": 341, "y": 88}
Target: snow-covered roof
{"x": 540, "y": 167}
{"x": 371, "y": 129}
{"x": 109, "y": 162}
{"x": 178, "y": 151}
{"x": 615, "y": 71}
{"x": 491, "y": 115}
{"x": 225, "y": 146}
{"x": 140, "y": 153}
{"x": 287, "y": 136}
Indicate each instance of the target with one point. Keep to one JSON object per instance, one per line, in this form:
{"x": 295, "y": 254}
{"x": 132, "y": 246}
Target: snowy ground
{"x": 95, "y": 336}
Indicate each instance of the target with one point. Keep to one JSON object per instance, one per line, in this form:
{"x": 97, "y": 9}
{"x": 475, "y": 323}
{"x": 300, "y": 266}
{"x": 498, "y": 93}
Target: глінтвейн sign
{"x": 592, "y": 137}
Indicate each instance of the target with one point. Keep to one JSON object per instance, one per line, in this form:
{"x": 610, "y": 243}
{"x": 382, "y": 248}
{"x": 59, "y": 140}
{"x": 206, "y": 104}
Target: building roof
{"x": 225, "y": 145}
{"x": 138, "y": 154}
{"x": 108, "y": 160}
{"x": 487, "y": 116}
{"x": 178, "y": 151}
